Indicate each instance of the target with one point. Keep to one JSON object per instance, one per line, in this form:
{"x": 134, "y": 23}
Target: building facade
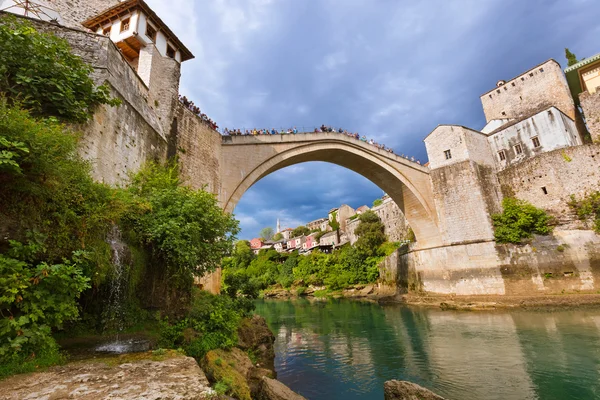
{"x": 329, "y": 239}
{"x": 256, "y": 243}
{"x": 317, "y": 224}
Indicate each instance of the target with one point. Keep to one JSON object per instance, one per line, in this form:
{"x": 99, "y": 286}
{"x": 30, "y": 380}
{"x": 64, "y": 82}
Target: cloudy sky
{"x": 390, "y": 69}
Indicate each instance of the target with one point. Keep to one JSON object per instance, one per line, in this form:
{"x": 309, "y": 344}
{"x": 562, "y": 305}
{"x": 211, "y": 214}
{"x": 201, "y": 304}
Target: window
{"x": 151, "y": 32}
{"x": 447, "y": 154}
{"x": 541, "y": 69}
{"x": 498, "y": 91}
{"x": 502, "y": 155}
{"x": 106, "y": 31}
{"x": 514, "y": 84}
{"x": 125, "y": 25}
{"x": 544, "y": 190}
{"x": 536, "y": 142}
{"x": 170, "y": 51}
{"x": 531, "y": 74}
{"x": 518, "y": 149}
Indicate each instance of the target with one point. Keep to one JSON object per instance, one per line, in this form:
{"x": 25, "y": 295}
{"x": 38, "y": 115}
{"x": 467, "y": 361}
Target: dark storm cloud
{"x": 392, "y": 70}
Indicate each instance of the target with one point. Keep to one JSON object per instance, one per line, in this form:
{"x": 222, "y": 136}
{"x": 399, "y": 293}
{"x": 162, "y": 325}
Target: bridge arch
{"x": 248, "y": 159}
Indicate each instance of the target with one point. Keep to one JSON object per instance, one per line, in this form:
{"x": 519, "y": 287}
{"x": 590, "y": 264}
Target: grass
{"x": 32, "y": 363}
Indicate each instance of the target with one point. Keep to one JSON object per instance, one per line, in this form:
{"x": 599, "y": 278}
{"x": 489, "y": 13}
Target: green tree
{"x": 571, "y": 58}
{"x": 278, "y": 236}
{"x": 301, "y": 230}
{"x": 377, "y": 202}
{"x": 39, "y": 71}
{"x": 519, "y": 220}
{"x": 370, "y": 232}
{"x": 183, "y": 228}
{"x": 266, "y": 233}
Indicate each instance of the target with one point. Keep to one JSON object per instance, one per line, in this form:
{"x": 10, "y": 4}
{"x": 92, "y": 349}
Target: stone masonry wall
{"x": 540, "y": 87}
{"x": 198, "y": 148}
{"x": 567, "y": 260}
{"x": 74, "y": 12}
{"x": 464, "y": 195}
{"x": 562, "y": 172}
{"x": 118, "y": 140}
{"x": 590, "y": 103}
{"x": 164, "y": 88}
{"x": 396, "y": 226}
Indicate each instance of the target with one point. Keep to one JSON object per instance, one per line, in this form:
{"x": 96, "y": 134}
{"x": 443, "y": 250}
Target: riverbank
{"x": 245, "y": 371}
{"x": 385, "y": 294}
{"x": 489, "y": 302}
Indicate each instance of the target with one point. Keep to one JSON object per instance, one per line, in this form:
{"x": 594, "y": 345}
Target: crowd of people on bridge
{"x": 196, "y": 110}
{"x": 321, "y": 129}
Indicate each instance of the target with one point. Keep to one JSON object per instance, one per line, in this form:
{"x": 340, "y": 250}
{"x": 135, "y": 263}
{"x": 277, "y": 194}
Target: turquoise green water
{"x": 346, "y": 350}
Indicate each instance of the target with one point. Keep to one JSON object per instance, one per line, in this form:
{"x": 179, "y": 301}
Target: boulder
{"x": 129, "y": 377}
{"x": 271, "y": 389}
{"x": 234, "y": 368}
{"x": 231, "y": 368}
{"x": 254, "y": 335}
{"x": 254, "y": 379}
{"x": 403, "y": 390}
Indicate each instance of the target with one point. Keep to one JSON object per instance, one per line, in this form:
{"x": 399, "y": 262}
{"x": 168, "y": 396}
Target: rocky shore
{"x": 384, "y": 294}
{"x": 246, "y": 371}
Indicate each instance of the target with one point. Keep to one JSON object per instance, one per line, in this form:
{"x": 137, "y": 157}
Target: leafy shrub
{"x": 300, "y": 230}
{"x": 184, "y": 229}
{"x": 35, "y": 297}
{"x": 518, "y": 221}
{"x": 211, "y": 323}
{"x": 377, "y": 202}
{"x": 39, "y": 71}
{"x": 587, "y": 207}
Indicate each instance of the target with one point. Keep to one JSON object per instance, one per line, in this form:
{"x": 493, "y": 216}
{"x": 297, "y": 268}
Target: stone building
{"x": 280, "y": 245}
{"x": 310, "y": 242}
{"x": 140, "y": 35}
{"x": 329, "y": 239}
{"x": 296, "y": 242}
{"x": 539, "y": 88}
{"x": 318, "y": 224}
{"x": 395, "y": 224}
{"x": 584, "y": 82}
{"x": 342, "y": 213}
{"x": 527, "y": 116}
{"x": 287, "y": 233}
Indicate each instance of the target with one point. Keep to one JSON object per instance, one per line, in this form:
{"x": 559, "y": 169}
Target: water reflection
{"x": 346, "y": 350}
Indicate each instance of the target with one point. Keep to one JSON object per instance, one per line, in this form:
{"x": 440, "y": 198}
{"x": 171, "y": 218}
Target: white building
{"x": 138, "y": 32}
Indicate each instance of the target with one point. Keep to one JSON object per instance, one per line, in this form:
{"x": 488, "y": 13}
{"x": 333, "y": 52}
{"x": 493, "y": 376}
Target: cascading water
{"x": 114, "y": 315}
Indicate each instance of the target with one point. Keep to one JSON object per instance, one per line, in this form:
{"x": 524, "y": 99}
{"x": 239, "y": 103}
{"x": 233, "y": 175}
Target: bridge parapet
{"x": 325, "y": 137}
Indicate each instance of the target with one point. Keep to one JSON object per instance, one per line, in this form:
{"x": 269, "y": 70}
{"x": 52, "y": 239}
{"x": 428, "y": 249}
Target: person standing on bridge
{"x": 295, "y": 130}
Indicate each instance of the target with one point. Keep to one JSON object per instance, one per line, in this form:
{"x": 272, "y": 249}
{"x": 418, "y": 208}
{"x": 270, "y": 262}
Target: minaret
{"x": 278, "y": 226}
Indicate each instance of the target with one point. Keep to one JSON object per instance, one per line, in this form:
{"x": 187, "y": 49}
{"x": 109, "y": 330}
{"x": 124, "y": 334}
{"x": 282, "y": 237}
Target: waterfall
{"x": 114, "y": 314}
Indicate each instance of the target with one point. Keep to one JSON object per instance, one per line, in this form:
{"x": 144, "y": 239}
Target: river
{"x": 342, "y": 349}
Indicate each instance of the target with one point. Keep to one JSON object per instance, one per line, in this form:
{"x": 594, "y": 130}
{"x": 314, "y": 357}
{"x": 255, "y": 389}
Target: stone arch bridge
{"x": 247, "y": 159}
